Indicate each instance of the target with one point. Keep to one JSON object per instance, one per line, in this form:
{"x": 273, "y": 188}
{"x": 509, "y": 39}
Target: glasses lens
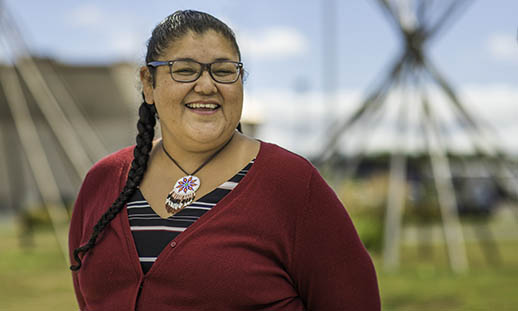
{"x": 184, "y": 70}
{"x": 225, "y": 71}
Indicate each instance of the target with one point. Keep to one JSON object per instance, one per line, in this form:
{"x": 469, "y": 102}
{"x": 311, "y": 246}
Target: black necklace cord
{"x": 204, "y": 163}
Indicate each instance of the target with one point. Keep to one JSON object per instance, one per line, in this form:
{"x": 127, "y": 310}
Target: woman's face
{"x": 181, "y": 123}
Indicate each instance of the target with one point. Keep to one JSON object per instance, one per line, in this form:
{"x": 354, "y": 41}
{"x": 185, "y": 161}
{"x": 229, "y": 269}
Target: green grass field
{"x": 429, "y": 285}
{"x": 38, "y": 279}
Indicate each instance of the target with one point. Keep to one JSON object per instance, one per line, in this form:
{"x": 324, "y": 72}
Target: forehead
{"x": 204, "y": 47}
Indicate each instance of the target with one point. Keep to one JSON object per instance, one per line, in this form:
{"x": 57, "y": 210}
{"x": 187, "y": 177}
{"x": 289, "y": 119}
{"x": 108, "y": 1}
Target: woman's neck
{"x": 192, "y": 156}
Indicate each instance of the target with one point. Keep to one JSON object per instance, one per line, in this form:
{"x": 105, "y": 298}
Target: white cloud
{"x": 273, "y": 43}
{"x": 126, "y": 43}
{"x": 86, "y": 15}
{"x": 498, "y": 103}
{"x": 120, "y": 36}
{"x": 300, "y": 122}
{"x": 503, "y": 47}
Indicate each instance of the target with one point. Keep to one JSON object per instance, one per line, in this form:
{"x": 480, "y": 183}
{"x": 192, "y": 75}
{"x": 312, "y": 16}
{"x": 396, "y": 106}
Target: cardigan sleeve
{"x": 332, "y": 268}
{"x": 74, "y": 240}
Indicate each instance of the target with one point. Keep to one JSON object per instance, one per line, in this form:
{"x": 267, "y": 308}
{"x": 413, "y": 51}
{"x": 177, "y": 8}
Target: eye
{"x": 224, "y": 69}
{"x": 184, "y": 71}
{"x": 224, "y": 72}
{"x": 185, "y": 68}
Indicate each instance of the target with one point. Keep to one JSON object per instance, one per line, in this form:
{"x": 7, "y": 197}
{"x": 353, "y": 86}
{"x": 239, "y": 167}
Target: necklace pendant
{"x": 182, "y": 194}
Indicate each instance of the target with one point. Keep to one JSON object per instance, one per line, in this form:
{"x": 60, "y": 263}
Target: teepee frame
{"x": 412, "y": 72}
{"x": 68, "y": 125}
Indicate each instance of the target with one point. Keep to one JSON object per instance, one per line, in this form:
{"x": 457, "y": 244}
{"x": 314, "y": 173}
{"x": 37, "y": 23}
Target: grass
{"x": 428, "y": 284}
{"x": 33, "y": 278}
{"x": 38, "y": 279}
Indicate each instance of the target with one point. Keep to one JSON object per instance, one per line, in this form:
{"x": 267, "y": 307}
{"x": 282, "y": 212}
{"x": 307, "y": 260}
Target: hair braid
{"x": 146, "y": 133}
{"x": 166, "y": 33}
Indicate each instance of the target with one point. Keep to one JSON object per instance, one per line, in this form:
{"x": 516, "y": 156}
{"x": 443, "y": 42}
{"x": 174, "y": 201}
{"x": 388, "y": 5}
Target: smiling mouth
{"x": 202, "y": 106}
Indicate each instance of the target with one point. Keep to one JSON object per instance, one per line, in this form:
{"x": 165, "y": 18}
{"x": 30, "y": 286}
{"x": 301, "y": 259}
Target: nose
{"x": 205, "y": 84}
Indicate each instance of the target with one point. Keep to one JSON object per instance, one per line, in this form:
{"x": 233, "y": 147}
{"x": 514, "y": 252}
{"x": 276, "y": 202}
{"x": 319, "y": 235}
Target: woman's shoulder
{"x": 115, "y": 163}
{"x": 275, "y": 152}
{"x": 103, "y": 182}
{"x": 282, "y": 162}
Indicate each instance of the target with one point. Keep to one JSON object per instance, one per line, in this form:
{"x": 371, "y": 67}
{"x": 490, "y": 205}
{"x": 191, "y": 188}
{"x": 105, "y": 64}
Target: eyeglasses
{"x": 188, "y": 70}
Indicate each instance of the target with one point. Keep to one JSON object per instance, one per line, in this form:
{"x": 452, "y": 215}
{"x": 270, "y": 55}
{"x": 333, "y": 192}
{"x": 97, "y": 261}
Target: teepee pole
{"x": 373, "y": 100}
{"x": 38, "y": 161}
{"x": 397, "y": 187}
{"x": 46, "y": 101}
{"x": 442, "y": 176}
{"x": 78, "y": 121}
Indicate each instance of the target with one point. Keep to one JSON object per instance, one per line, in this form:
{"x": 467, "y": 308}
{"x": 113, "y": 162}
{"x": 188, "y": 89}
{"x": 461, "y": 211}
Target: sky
{"x": 305, "y": 72}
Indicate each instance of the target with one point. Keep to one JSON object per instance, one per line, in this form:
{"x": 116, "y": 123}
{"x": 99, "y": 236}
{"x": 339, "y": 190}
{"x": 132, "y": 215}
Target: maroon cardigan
{"x": 281, "y": 240}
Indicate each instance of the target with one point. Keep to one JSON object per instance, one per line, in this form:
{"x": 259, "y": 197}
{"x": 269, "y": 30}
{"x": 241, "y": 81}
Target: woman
{"x": 271, "y": 234}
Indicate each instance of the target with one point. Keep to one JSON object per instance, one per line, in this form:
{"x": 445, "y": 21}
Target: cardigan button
{"x": 173, "y": 244}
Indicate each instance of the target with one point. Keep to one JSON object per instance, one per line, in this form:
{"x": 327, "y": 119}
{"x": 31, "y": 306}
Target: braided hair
{"x": 166, "y": 33}
{"x": 146, "y": 132}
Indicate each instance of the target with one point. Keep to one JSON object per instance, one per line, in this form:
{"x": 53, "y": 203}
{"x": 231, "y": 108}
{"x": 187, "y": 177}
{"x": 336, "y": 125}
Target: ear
{"x": 147, "y": 84}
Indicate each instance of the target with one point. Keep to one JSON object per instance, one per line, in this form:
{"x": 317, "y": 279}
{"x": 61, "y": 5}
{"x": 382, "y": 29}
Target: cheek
{"x": 170, "y": 99}
{"x": 236, "y": 105}
{"x": 235, "y": 96}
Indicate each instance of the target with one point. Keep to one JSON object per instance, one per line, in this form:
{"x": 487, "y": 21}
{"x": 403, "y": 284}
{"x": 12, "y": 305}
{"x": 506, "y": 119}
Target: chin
{"x": 211, "y": 136}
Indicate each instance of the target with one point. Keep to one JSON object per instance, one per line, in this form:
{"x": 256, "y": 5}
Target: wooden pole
{"x": 452, "y": 228}
{"x": 397, "y": 186}
{"x": 46, "y": 100}
{"x": 395, "y": 207}
{"x": 373, "y": 101}
{"x": 78, "y": 121}
{"x": 35, "y": 153}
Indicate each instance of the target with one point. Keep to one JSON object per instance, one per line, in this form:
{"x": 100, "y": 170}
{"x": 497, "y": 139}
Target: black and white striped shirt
{"x": 152, "y": 233}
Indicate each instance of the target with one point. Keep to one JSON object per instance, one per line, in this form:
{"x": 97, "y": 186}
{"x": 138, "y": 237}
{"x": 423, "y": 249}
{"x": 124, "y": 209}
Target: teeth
{"x": 206, "y": 106}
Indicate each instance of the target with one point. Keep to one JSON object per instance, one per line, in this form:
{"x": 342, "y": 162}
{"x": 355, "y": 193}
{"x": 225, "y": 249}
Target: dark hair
{"x": 167, "y": 32}
{"x": 176, "y": 25}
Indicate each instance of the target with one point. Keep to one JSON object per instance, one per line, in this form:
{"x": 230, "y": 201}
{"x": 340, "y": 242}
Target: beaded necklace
{"x": 184, "y": 190}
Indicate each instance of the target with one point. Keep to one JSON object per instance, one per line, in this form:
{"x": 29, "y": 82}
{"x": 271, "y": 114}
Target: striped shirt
{"x": 152, "y": 233}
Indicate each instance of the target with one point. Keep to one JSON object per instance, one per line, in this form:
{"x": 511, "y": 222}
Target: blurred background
{"x": 407, "y": 107}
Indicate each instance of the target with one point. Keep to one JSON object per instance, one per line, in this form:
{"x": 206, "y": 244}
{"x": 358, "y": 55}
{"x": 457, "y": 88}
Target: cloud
{"x": 301, "y": 121}
{"x": 121, "y": 36}
{"x": 503, "y": 47}
{"x": 126, "y": 43}
{"x": 86, "y": 15}
{"x": 273, "y": 43}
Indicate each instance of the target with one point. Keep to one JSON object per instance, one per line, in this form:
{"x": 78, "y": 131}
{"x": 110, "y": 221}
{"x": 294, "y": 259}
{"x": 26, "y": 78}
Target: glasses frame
{"x": 204, "y": 66}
